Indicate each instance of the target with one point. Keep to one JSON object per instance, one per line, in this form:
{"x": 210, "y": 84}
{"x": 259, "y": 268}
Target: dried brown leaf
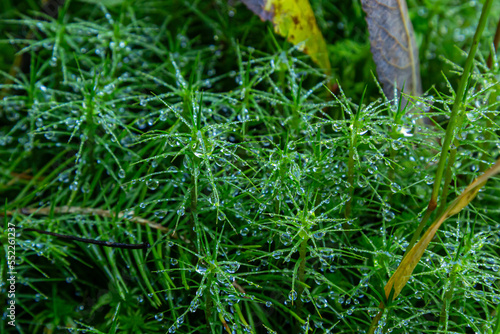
{"x": 393, "y": 46}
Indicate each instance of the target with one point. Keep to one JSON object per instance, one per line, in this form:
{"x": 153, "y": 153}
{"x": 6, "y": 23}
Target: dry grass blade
{"x": 97, "y": 212}
{"x": 393, "y": 46}
{"x": 406, "y": 267}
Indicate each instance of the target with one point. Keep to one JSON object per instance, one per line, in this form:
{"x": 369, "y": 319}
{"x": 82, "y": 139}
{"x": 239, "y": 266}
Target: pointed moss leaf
{"x": 393, "y": 46}
{"x": 406, "y": 267}
{"x": 294, "y": 19}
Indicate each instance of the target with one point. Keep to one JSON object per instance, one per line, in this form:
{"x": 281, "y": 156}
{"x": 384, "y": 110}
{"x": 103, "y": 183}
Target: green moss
{"x": 192, "y": 127}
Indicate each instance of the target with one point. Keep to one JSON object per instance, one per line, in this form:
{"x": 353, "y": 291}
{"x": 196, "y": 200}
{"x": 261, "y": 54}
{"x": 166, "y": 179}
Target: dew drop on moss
{"x": 319, "y": 235}
{"x": 181, "y": 211}
{"x": 152, "y": 184}
{"x": 121, "y": 173}
{"x": 201, "y": 269}
{"x": 194, "y": 305}
{"x": 74, "y": 186}
{"x": 160, "y": 214}
{"x": 395, "y": 187}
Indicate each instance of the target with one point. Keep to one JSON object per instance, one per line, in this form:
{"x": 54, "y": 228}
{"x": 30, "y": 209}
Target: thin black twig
{"x": 92, "y": 241}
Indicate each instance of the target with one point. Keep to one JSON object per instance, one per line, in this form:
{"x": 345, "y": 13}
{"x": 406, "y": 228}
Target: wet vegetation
{"x": 273, "y": 199}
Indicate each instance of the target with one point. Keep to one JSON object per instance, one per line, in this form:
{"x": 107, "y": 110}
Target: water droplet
{"x": 181, "y": 211}
{"x": 295, "y": 172}
{"x": 152, "y": 184}
{"x": 388, "y": 215}
{"x": 292, "y": 295}
{"x": 474, "y": 115}
{"x": 276, "y": 255}
{"x": 244, "y": 232}
{"x": 194, "y": 305}
{"x": 496, "y": 299}
{"x": 362, "y": 131}
{"x": 362, "y": 181}
{"x": 200, "y": 268}
{"x": 159, "y": 316}
{"x": 160, "y": 214}
{"x": 231, "y": 268}
{"x": 396, "y": 145}
{"x": 221, "y": 216}
{"x": 336, "y": 126}
{"x": 121, "y": 173}
{"x": 53, "y": 61}
{"x": 174, "y": 262}
{"x": 86, "y": 188}
{"x": 285, "y": 238}
{"x": 372, "y": 169}
{"x": 262, "y": 207}
{"x": 319, "y": 235}
{"x": 321, "y": 302}
{"x": 395, "y": 187}
{"x": 74, "y": 186}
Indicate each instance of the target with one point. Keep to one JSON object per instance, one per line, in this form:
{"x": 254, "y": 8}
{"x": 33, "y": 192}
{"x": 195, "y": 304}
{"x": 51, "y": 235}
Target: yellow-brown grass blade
{"x": 406, "y": 267}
